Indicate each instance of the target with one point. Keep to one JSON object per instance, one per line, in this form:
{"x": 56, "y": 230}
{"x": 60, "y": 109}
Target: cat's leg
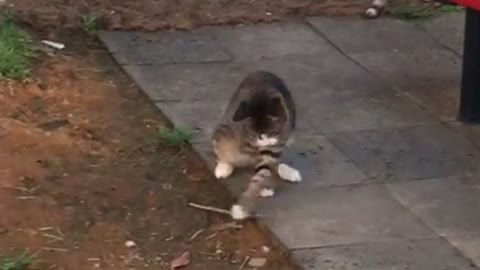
{"x": 288, "y": 173}
{"x": 223, "y": 149}
{"x": 259, "y": 186}
{"x": 229, "y": 157}
{"x": 376, "y": 8}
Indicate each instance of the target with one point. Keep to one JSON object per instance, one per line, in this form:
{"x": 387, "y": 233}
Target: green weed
{"x": 15, "y": 51}
{"x": 16, "y": 263}
{"x": 177, "y": 137}
{"x": 90, "y": 23}
{"x": 423, "y": 12}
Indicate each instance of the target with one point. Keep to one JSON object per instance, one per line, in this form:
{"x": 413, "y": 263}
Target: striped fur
{"x": 253, "y": 132}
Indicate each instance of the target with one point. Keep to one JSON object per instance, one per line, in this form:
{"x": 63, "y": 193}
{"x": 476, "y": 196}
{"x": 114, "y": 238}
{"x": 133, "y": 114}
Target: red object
{"x": 475, "y": 4}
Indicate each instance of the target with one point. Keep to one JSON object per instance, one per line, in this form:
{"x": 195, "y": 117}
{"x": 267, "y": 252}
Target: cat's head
{"x": 266, "y": 119}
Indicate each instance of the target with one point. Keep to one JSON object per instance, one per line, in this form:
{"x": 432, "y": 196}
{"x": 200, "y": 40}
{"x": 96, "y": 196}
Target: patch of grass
{"x": 177, "y": 137}
{"x": 423, "y": 12}
{"x": 16, "y": 263}
{"x": 15, "y": 51}
{"x": 90, "y": 23}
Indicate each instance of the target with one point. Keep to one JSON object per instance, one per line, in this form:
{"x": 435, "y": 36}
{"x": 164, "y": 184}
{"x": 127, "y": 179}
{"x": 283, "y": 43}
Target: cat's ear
{"x": 242, "y": 112}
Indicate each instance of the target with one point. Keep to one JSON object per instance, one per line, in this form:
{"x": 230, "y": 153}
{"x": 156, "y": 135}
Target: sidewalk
{"x": 389, "y": 174}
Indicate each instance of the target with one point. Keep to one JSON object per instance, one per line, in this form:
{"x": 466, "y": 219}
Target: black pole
{"x": 470, "y": 92}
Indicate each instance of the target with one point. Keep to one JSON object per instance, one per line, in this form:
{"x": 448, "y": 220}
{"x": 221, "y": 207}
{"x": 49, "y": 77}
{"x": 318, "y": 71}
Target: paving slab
{"x": 319, "y": 85}
{"x": 450, "y": 206}
{"x": 383, "y": 34}
{"x": 328, "y": 216}
{"x": 133, "y": 48}
{"x": 432, "y": 77}
{"x": 200, "y": 117}
{"x": 471, "y": 132}
{"x": 419, "y": 152}
{"x": 414, "y": 255}
{"x": 448, "y": 29}
{"x": 188, "y": 82}
{"x": 274, "y": 40}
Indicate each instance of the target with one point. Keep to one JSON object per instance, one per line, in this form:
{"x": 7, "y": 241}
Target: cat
{"x": 253, "y": 131}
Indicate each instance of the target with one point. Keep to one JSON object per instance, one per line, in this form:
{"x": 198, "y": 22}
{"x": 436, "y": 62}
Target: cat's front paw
{"x": 238, "y": 212}
{"x": 267, "y": 192}
{"x": 288, "y": 173}
{"x": 223, "y": 170}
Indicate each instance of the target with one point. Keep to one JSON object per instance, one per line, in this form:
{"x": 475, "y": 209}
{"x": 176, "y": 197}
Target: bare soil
{"x": 82, "y": 173}
{"x": 186, "y": 14}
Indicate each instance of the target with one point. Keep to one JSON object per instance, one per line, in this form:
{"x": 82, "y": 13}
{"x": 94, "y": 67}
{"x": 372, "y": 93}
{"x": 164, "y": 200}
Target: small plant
{"x": 90, "y": 23}
{"x": 16, "y": 263}
{"x": 15, "y": 51}
{"x": 424, "y": 12}
{"x": 177, "y": 137}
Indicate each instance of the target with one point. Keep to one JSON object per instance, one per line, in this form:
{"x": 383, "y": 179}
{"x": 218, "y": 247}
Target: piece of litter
{"x": 257, "y": 262}
{"x": 53, "y": 44}
{"x": 181, "y": 261}
{"x": 130, "y": 244}
{"x": 265, "y": 249}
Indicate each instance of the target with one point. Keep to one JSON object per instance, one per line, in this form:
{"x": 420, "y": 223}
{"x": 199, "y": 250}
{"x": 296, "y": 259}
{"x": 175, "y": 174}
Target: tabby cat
{"x": 253, "y": 132}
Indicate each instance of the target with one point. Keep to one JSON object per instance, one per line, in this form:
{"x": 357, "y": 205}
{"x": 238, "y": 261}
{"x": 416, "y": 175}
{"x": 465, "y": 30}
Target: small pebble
{"x": 130, "y": 244}
{"x": 265, "y": 249}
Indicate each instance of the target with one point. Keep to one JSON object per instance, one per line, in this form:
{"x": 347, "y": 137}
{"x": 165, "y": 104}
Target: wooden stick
{"x": 209, "y": 208}
{"x": 245, "y": 261}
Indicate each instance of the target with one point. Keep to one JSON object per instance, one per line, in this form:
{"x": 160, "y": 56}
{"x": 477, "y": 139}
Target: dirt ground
{"x": 176, "y": 14}
{"x": 82, "y": 173}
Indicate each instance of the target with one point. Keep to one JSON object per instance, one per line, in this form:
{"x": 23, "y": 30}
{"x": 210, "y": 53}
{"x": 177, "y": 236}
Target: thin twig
{"x": 55, "y": 249}
{"x": 54, "y": 237}
{"x": 228, "y": 225}
{"x": 245, "y": 261}
{"x": 196, "y": 234}
{"x": 211, "y": 236}
{"x": 210, "y": 208}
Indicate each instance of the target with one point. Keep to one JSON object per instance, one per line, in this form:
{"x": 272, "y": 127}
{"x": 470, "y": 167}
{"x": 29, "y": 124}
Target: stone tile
{"x": 414, "y": 255}
{"x": 384, "y": 34}
{"x": 469, "y": 245}
{"x": 271, "y": 40}
{"x": 334, "y": 94}
{"x": 360, "y": 108}
{"x": 132, "y": 48}
{"x": 418, "y": 152}
{"x": 320, "y": 163}
{"x": 471, "y": 132}
{"x": 189, "y": 82}
{"x": 450, "y": 206}
{"x": 319, "y": 85}
{"x": 337, "y": 216}
{"x": 199, "y": 116}
{"x": 448, "y": 29}
{"x": 431, "y": 77}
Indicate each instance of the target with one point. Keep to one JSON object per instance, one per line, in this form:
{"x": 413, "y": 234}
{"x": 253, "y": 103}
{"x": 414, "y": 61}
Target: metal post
{"x": 470, "y": 92}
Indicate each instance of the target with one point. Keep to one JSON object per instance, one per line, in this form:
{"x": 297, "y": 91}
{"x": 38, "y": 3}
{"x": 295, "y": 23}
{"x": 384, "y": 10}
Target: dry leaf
{"x": 181, "y": 261}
